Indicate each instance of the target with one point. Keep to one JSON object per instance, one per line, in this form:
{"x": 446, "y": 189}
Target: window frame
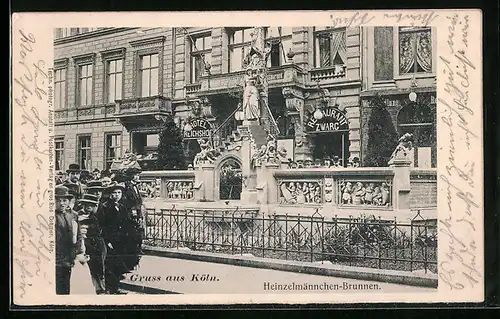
{"x": 397, "y": 72}
{"x": 239, "y": 45}
{"x": 279, "y": 39}
{"x": 80, "y": 61}
{"x": 106, "y": 147}
{"x": 316, "y": 52}
{"x": 106, "y": 57}
{"x": 195, "y": 52}
{"x": 79, "y": 137}
{"x": 59, "y": 139}
{"x": 62, "y": 102}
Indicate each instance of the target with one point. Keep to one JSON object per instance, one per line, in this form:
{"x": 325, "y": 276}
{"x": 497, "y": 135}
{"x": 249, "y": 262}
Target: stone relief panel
{"x": 364, "y": 193}
{"x": 300, "y": 191}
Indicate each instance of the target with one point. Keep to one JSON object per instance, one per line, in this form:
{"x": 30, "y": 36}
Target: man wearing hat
{"x": 121, "y": 235}
{"x": 94, "y": 243}
{"x": 95, "y": 188}
{"x": 73, "y": 181}
{"x": 69, "y": 242}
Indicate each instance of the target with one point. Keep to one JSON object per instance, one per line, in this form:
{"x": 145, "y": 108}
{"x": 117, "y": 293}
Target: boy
{"x": 94, "y": 243}
{"x": 69, "y": 244}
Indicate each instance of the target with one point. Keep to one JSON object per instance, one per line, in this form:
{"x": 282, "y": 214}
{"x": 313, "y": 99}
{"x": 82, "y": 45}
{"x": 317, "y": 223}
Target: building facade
{"x": 115, "y": 86}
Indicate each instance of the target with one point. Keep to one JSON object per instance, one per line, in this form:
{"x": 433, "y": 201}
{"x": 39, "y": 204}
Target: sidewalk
{"x": 171, "y": 275}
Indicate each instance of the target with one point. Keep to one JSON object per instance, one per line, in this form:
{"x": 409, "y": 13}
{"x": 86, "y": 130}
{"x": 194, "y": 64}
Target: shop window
{"x": 415, "y": 50}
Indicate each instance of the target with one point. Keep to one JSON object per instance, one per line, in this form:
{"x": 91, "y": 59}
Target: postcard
{"x": 289, "y": 157}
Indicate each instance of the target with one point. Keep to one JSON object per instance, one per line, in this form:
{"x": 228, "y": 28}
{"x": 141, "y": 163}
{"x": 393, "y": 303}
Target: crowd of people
{"x": 99, "y": 227}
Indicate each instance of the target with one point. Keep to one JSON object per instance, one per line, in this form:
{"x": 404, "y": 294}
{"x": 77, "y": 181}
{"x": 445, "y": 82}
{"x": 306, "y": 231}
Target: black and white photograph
{"x": 260, "y": 159}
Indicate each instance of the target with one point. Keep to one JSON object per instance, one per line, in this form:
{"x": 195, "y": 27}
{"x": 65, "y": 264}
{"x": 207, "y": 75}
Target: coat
{"x": 69, "y": 241}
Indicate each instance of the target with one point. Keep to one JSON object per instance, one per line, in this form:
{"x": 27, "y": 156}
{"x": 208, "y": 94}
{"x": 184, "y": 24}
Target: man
{"x": 73, "y": 181}
{"x": 69, "y": 243}
{"x": 96, "y": 174}
{"x": 94, "y": 243}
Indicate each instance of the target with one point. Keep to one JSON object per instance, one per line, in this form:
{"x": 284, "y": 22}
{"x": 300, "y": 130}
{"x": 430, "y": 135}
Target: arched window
{"x": 230, "y": 180}
{"x": 419, "y": 119}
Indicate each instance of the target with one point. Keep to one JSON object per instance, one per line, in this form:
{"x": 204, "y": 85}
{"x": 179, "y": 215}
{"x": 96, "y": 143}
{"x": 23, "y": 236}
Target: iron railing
{"x": 364, "y": 241}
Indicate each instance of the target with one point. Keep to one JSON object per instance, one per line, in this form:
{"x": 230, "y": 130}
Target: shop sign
{"x": 200, "y": 128}
{"x": 333, "y": 120}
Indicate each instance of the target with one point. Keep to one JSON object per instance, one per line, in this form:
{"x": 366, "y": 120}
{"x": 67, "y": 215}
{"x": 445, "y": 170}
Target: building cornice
{"x": 89, "y": 35}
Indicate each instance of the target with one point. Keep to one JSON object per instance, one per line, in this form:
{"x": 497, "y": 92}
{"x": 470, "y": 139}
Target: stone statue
{"x": 251, "y": 106}
{"x": 404, "y": 147}
{"x": 207, "y": 153}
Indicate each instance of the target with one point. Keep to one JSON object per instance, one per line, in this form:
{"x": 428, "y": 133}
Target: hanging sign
{"x": 332, "y": 120}
{"x": 200, "y": 128}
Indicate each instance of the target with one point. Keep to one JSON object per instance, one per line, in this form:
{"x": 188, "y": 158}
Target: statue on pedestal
{"x": 207, "y": 153}
{"x": 251, "y": 106}
{"x": 404, "y": 147}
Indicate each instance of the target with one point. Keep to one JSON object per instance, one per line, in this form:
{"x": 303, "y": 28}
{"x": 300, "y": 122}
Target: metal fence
{"x": 363, "y": 241}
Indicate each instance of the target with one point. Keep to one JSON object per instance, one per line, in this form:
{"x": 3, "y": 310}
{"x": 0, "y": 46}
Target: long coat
{"x": 69, "y": 241}
{"x": 123, "y": 233}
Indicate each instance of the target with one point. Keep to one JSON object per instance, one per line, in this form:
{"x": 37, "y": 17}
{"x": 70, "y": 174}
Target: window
{"x": 330, "y": 47}
{"x": 59, "y": 148}
{"x": 200, "y": 54}
{"x": 280, "y": 39}
{"x": 239, "y": 47}
{"x": 383, "y": 53}
{"x": 415, "y": 50}
{"x": 149, "y": 75}
{"x": 114, "y": 80}
{"x": 85, "y": 84}
{"x": 84, "y": 152}
{"x": 59, "y": 89}
{"x": 113, "y": 148}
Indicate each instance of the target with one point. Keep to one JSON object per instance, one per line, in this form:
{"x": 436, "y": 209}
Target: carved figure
{"x": 346, "y": 193}
{"x": 207, "y": 153}
{"x": 251, "y": 107}
{"x": 404, "y": 147}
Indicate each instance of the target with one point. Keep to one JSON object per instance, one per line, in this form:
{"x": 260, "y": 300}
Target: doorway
{"x": 331, "y": 144}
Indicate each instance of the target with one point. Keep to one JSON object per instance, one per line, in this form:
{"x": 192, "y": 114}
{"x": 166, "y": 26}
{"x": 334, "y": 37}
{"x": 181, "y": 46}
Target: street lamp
{"x": 413, "y": 96}
{"x": 318, "y": 114}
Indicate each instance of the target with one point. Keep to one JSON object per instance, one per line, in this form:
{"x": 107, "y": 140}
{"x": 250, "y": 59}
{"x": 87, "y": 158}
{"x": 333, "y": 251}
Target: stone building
{"x": 114, "y": 87}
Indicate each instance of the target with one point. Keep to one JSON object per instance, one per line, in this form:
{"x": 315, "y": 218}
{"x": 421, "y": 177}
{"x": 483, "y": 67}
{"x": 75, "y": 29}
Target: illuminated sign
{"x": 333, "y": 120}
{"x": 200, "y": 128}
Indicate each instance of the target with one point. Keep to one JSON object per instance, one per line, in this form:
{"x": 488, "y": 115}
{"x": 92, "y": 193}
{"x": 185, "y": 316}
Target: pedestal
{"x": 205, "y": 179}
{"x": 401, "y": 184}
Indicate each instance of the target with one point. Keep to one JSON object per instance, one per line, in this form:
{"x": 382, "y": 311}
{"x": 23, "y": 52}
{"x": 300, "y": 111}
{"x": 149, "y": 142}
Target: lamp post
{"x": 412, "y": 96}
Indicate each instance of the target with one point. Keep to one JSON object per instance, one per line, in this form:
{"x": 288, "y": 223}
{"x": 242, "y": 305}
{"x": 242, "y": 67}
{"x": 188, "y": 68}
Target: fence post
{"x": 401, "y": 184}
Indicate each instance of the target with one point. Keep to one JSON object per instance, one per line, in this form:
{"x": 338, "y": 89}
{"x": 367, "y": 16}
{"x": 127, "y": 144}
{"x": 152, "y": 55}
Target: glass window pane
{"x": 111, "y": 88}
{"x": 235, "y": 59}
{"x": 154, "y": 60}
{"x": 208, "y": 57}
{"x": 83, "y": 91}
{"x": 119, "y": 64}
{"x": 154, "y": 82}
{"x": 119, "y": 86}
{"x": 208, "y": 42}
{"x": 62, "y": 100}
{"x": 90, "y": 70}
{"x": 287, "y": 45}
{"x": 272, "y": 32}
{"x": 198, "y": 43}
{"x": 111, "y": 67}
{"x": 238, "y": 36}
{"x": 146, "y": 61}
{"x": 286, "y": 31}
{"x": 152, "y": 140}
{"x": 145, "y": 83}
{"x": 89, "y": 91}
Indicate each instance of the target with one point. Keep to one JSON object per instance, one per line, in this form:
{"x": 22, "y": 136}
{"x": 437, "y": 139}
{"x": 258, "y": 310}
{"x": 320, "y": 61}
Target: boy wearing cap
{"x": 73, "y": 182}
{"x": 69, "y": 243}
{"x": 94, "y": 243}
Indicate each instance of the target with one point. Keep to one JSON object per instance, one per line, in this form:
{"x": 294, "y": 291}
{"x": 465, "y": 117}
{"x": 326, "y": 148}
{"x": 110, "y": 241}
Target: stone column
{"x": 401, "y": 184}
{"x": 294, "y": 101}
{"x": 249, "y": 175}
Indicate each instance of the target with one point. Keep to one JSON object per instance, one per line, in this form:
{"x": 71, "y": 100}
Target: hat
{"x": 94, "y": 185}
{"x": 115, "y": 186}
{"x": 73, "y": 188}
{"x": 96, "y": 170}
{"x": 63, "y": 191}
{"x": 73, "y": 168}
{"x": 89, "y": 199}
